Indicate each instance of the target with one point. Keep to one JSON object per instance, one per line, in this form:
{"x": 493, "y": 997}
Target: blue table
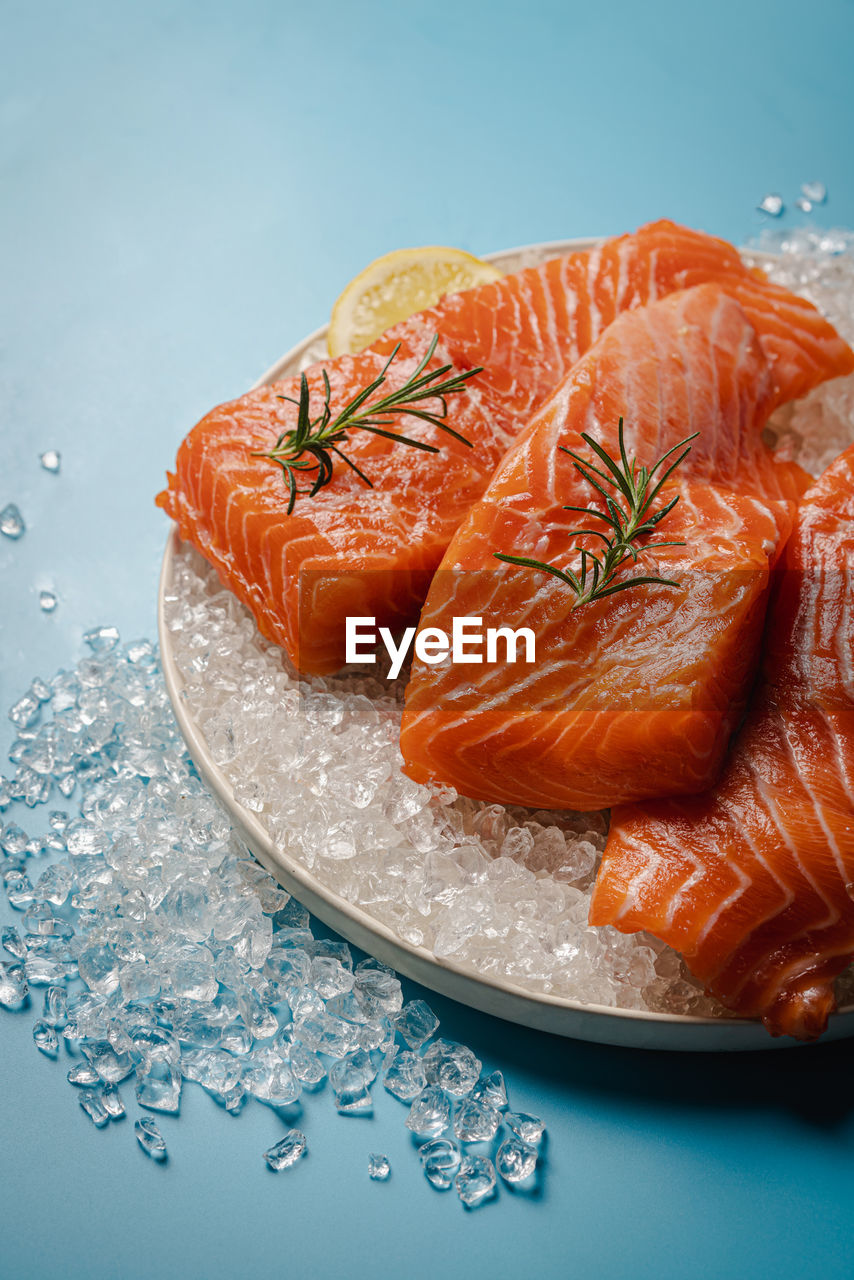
{"x": 186, "y": 189}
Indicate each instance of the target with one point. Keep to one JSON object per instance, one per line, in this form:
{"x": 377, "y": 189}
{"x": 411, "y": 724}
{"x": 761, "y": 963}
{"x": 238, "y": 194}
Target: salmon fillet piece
{"x": 355, "y": 551}
{"x": 753, "y": 881}
{"x": 528, "y": 329}
{"x": 350, "y": 550}
{"x": 635, "y": 694}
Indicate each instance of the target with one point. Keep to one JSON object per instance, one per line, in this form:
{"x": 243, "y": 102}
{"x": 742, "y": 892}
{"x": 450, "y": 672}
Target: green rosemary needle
{"x": 308, "y": 448}
{"x": 628, "y": 517}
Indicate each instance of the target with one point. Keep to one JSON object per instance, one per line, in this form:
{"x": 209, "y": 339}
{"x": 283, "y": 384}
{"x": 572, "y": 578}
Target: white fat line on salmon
{"x": 433, "y": 645}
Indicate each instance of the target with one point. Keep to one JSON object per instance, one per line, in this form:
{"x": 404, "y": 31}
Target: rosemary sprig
{"x": 628, "y": 521}
{"x": 308, "y": 447}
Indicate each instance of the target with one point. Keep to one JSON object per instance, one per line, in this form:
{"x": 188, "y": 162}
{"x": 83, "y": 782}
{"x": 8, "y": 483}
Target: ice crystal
{"x": 150, "y": 1139}
{"x": 475, "y": 1181}
{"x": 287, "y": 1151}
{"x": 772, "y": 204}
{"x": 50, "y": 460}
{"x": 515, "y": 1160}
{"x": 12, "y": 522}
{"x": 379, "y": 1168}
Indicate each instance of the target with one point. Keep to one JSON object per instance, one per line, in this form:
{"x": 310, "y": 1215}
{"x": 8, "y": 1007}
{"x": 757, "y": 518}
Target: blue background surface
{"x": 186, "y": 188}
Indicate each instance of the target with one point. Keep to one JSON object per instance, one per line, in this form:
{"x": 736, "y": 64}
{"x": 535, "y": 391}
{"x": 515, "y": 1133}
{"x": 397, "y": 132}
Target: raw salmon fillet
{"x": 528, "y": 329}
{"x": 753, "y": 881}
{"x": 355, "y": 551}
{"x": 635, "y": 694}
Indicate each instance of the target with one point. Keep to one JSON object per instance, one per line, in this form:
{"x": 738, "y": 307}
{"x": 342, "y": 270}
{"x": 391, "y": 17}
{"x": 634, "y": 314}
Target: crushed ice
{"x": 495, "y": 891}
{"x": 157, "y": 952}
{"x": 772, "y": 204}
{"x": 51, "y": 460}
{"x": 12, "y": 522}
{"x": 814, "y": 192}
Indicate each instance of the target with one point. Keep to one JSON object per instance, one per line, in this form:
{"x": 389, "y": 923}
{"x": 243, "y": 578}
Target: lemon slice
{"x": 396, "y": 285}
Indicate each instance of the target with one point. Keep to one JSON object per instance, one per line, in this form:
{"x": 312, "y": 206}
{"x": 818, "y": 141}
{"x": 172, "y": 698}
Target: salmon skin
{"x": 635, "y": 694}
{"x": 753, "y": 882}
{"x": 355, "y": 551}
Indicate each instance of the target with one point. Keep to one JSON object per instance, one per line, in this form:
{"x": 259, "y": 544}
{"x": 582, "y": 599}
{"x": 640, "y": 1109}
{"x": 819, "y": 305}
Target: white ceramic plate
{"x": 559, "y": 1015}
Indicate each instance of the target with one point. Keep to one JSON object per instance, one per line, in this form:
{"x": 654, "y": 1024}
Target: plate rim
{"x": 629, "y": 1028}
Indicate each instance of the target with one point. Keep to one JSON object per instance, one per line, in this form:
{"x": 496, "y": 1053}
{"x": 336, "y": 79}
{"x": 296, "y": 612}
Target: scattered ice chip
{"x": 287, "y": 967}
{"x": 20, "y": 892}
{"x": 214, "y": 1070}
{"x": 476, "y": 1180}
{"x": 453, "y": 1066}
{"x": 101, "y": 640}
{"x": 40, "y": 919}
{"x": 54, "y": 884}
{"x": 529, "y": 1128}
{"x": 159, "y": 1088}
{"x": 150, "y": 1138}
{"x": 87, "y": 840}
{"x": 48, "y": 600}
{"x": 268, "y": 1078}
{"x": 41, "y": 690}
{"x": 25, "y": 711}
{"x": 112, "y": 1100}
{"x": 84, "y": 1075}
{"x": 441, "y": 1160}
{"x": 99, "y": 968}
{"x": 815, "y": 192}
{"x": 334, "y": 949}
{"x": 476, "y": 1120}
{"x": 92, "y": 1102}
{"x": 45, "y": 1038}
{"x": 153, "y": 1043}
{"x": 376, "y": 1033}
{"x": 516, "y": 1160}
{"x": 44, "y": 969}
{"x": 377, "y": 988}
{"x": 236, "y": 1038}
{"x": 12, "y": 942}
{"x": 327, "y": 1034}
{"x": 13, "y": 984}
{"x": 257, "y": 1016}
{"x": 306, "y": 1066}
{"x": 110, "y": 1065}
{"x": 356, "y": 1069}
{"x": 416, "y": 1023}
{"x": 491, "y": 1089}
{"x": 197, "y": 1027}
{"x": 404, "y": 1076}
{"x": 287, "y": 1151}
{"x": 772, "y": 204}
{"x": 234, "y": 1100}
{"x": 55, "y": 1006}
{"x": 353, "y": 1098}
{"x": 379, "y": 1167}
{"x": 329, "y": 978}
{"x": 11, "y": 521}
{"x": 430, "y": 1113}
{"x": 50, "y": 460}
{"x": 804, "y": 205}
